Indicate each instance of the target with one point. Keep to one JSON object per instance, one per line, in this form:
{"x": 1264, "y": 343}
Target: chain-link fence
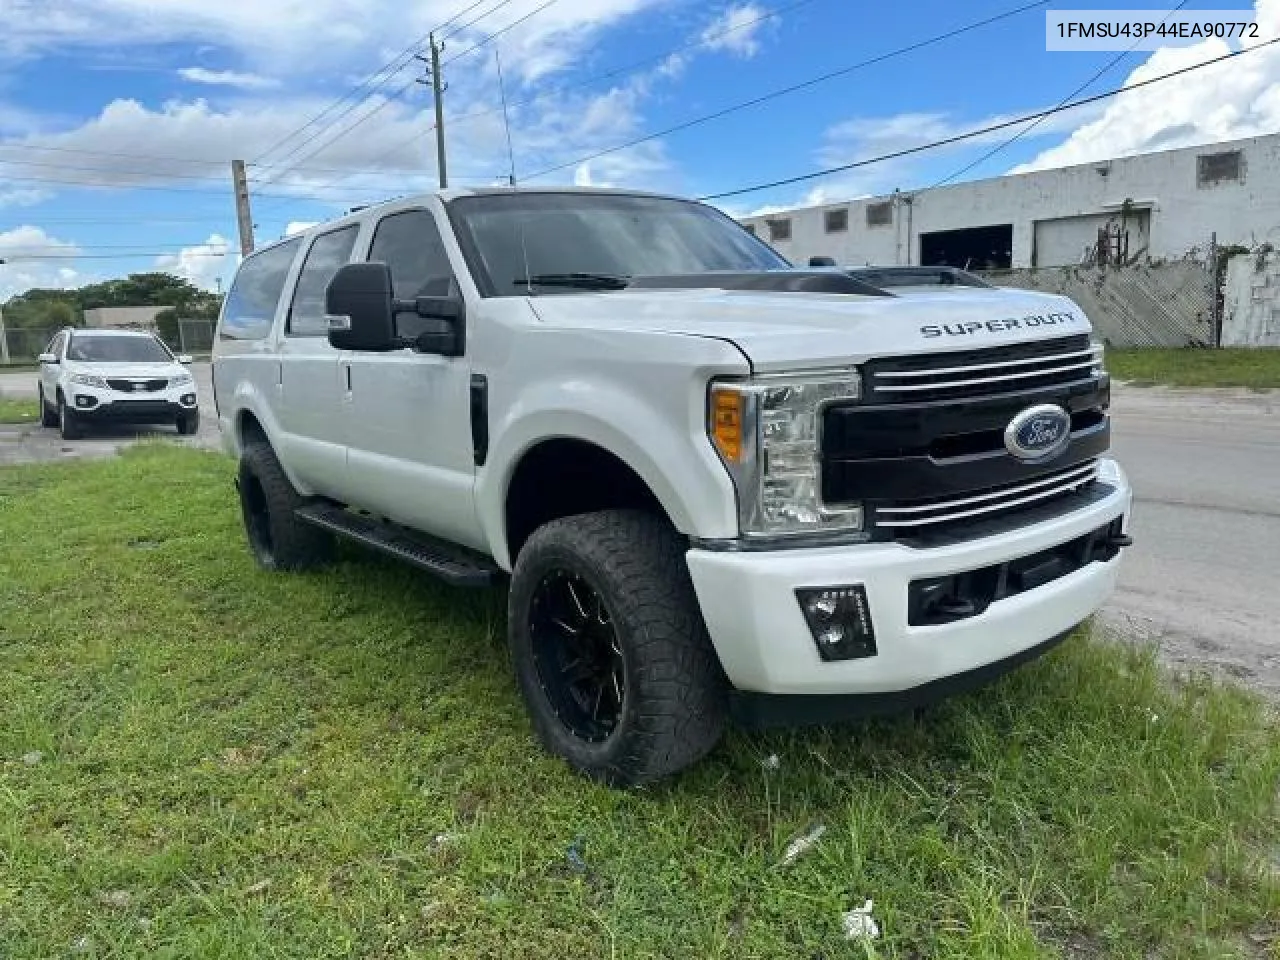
{"x": 1171, "y": 304}
{"x": 23, "y": 346}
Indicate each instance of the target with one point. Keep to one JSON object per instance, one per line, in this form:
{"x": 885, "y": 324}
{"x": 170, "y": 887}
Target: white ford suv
{"x": 92, "y": 376}
{"x": 715, "y": 486}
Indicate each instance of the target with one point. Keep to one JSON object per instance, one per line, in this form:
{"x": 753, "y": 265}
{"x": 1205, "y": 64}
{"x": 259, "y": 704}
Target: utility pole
{"x": 243, "y": 216}
{"x": 438, "y": 88}
{"x": 4, "y": 339}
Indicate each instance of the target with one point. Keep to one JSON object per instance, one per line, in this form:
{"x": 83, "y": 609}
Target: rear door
{"x": 311, "y": 383}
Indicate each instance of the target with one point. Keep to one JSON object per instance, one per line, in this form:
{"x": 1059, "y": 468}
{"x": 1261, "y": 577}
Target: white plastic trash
{"x": 859, "y": 924}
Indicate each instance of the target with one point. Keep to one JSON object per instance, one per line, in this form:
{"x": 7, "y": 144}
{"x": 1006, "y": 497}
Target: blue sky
{"x": 119, "y": 118}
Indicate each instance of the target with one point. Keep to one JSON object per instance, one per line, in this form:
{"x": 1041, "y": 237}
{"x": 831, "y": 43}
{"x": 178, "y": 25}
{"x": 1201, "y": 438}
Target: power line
{"x": 471, "y": 23}
{"x": 804, "y": 85}
{"x": 493, "y": 36}
{"x": 90, "y": 185}
{"x": 14, "y": 259}
{"x": 1035, "y": 123}
{"x": 369, "y": 86}
{"x": 110, "y": 153}
{"x": 636, "y": 65}
{"x": 4, "y": 161}
{"x": 981, "y": 131}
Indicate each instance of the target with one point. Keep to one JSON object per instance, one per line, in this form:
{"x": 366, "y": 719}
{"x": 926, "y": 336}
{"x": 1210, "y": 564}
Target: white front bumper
{"x": 102, "y": 399}
{"x": 749, "y": 603}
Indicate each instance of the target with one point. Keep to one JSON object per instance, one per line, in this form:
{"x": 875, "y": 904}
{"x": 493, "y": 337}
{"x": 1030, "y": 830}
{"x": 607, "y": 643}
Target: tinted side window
{"x": 329, "y": 252}
{"x": 410, "y": 244}
{"x": 251, "y": 302}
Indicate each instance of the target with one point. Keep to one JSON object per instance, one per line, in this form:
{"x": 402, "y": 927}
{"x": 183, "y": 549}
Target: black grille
{"x": 981, "y": 373}
{"x": 129, "y": 386}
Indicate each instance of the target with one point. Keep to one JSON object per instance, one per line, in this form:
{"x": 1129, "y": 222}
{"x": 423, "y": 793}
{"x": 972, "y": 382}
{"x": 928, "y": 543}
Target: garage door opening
{"x": 974, "y": 248}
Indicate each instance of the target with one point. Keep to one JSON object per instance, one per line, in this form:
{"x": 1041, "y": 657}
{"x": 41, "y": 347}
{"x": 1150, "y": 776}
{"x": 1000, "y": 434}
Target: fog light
{"x": 86, "y": 403}
{"x": 840, "y": 621}
{"x": 188, "y": 399}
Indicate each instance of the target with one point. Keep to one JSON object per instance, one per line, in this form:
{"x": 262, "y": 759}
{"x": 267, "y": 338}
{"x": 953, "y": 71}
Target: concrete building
{"x": 1151, "y": 206}
{"x": 119, "y": 318}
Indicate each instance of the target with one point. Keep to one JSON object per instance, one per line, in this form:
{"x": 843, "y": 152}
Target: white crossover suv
{"x": 116, "y": 376}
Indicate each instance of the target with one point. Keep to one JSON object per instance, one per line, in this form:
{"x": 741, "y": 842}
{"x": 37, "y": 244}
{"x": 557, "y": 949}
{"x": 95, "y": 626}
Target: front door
{"x": 49, "y": 371}
{"x": 408, "y": 414}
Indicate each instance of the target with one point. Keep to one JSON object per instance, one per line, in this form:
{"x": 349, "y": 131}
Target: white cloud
{"x": 33, "y": 258}
{"x": 297, "y": 226}
{"x": 227, "y": 78}
{"x": 22, "y": 197}
{"x": 203, "y": 264}
{"x": 737, "y": 30}
{"x": 1231, "y": 100}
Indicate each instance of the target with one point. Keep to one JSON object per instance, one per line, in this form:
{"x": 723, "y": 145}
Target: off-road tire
{"x": 48, "y": 414}
{"x": 674, "y": 706}
{"x": 278, "y": 539}
{"x": 68, "y": 422}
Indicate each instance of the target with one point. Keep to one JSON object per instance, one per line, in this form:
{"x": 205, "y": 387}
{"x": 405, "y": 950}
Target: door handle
{"x": 347, "y": 370}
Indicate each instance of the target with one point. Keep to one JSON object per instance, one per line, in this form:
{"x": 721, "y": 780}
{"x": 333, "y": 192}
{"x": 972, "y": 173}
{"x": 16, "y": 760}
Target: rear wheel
{"x": 278, "y": 539}
{"x": 68, "y": 422}
{"x": 48, "y": 414}
{"x": 610, "y": 650}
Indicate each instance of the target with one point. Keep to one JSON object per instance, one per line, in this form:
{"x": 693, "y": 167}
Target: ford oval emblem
{"x": 1038, "y": 433}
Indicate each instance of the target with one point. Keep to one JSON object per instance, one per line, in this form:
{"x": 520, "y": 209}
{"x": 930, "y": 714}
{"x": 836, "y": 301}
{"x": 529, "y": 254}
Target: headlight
{"x": 1099, "y": 349}
{"x": 89, "y": 380}
{"x": 767, "y": 432}
{"x": 181, "y": 380}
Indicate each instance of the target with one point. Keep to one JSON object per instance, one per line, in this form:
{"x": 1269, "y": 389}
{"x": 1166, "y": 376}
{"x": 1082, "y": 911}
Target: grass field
{"x": 1228, "y": 367}
{"x": 198, "y": 759}
{"x": 19, "y": 411}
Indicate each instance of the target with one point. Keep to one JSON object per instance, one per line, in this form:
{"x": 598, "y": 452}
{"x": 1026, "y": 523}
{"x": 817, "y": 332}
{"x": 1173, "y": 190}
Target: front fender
{"x": 661, "y": 436}
{"x": 248, "y": 399}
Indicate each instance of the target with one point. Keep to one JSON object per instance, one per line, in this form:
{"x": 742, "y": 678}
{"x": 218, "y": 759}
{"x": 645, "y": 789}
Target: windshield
{"x": 571, "y": 242}
{"x": 88, "y": 348}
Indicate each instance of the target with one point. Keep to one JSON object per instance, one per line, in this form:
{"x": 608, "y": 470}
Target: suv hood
{"x": 150, "y": 371}
{"x": 779, "y": 331}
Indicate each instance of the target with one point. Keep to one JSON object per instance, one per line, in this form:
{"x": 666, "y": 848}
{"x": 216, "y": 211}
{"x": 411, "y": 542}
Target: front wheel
{"x": 68, "y": 422}
{"x": 188, "y": 423}
{"x": 48, "y": 414}
{"x": 609, "y": 647}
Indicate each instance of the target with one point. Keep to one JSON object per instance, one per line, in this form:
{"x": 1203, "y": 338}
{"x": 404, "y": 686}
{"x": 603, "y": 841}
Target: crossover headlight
{"x": 181, "y": 380}
{"x": 1099, "y": 348}
{"x": 89, "y": 380}
{"x": 767, "y": 431}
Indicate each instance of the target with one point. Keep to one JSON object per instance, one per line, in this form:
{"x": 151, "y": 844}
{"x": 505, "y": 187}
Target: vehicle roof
{"x": 111, "y": 332}
{"x": 453, "y": 193}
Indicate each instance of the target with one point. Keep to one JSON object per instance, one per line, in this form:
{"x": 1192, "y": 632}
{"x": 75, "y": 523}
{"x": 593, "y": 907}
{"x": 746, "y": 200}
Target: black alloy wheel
{"x": 578, "y": 655}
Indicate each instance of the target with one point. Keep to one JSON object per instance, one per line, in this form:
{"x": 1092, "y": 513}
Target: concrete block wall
{"x": 1251, "y": 301}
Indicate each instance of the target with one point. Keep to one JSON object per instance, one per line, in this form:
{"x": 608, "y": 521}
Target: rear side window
{"x": 327, "y": 254}
{"x": 251, "y": 302}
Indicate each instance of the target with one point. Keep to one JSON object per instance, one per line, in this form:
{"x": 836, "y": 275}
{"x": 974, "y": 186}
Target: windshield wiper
{"x": 584, "y": 281}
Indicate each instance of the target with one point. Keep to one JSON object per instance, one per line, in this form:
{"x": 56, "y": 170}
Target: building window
{"x": 750, "y": 228}
{"x": 837, "y": 221}
{"x": 880, "y": 214}
{"x": 1214, "y": 168}
{"x": 779, "y": 230}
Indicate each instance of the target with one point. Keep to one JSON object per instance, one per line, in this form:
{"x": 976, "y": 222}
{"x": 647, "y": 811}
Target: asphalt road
{"x": 1203, "y": 577}
{"x": 1202, "y": 580}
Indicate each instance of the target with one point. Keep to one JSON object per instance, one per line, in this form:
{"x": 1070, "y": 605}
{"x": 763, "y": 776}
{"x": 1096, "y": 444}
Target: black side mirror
{"x": 363, "y": 309}
{"x": 358, "y": 302}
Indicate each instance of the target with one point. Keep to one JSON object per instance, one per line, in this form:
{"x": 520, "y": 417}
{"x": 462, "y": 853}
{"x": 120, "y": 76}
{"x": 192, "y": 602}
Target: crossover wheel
{"x": 610, "y": 650}
{"x": 189, "y": 423}
{"x": 48, "y": 414}
{"x": 68, "y": 422}
{"x": 278, "y": 539}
